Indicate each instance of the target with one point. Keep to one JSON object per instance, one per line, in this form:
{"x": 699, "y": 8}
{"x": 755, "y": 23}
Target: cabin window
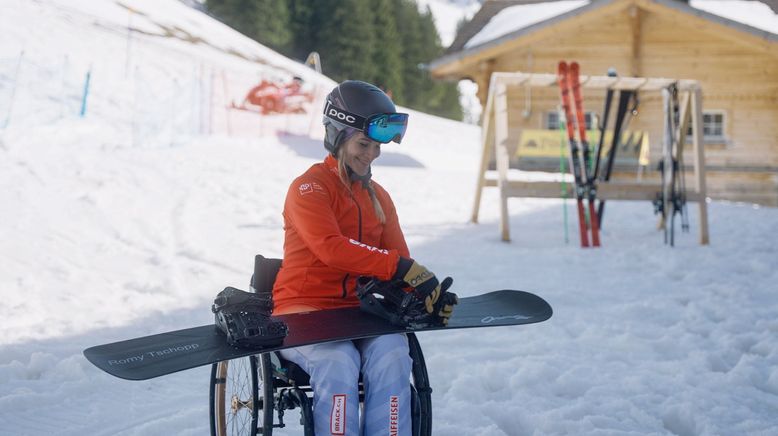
{"x": 712, "y": 126}
{"x": 552, "y": 120}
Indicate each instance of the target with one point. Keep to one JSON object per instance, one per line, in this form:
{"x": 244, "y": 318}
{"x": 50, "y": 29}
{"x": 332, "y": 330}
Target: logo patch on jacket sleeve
{"x": 310, "y": 187}
{"x": 305, "y": 188}
{"x": 369, "y": 247}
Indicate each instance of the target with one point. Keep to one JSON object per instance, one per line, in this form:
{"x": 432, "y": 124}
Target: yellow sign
{"x": 553, "y": 143}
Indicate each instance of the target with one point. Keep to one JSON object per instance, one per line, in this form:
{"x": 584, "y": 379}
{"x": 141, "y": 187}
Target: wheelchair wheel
{"x": 240, "y": 390}
{"x": 422, "y": 392}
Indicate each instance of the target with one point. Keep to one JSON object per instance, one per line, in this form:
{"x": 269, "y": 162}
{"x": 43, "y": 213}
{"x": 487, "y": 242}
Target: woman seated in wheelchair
{"x": 339, "y": 225}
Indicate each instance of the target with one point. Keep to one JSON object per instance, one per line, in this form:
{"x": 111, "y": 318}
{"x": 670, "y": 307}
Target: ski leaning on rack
{"x": 622, "y": 112}
{"x": 580, "y": 156}
{"x": 165, "y": 353}
{"x": 603, "y": 127}
{"x": 672, "y": 200}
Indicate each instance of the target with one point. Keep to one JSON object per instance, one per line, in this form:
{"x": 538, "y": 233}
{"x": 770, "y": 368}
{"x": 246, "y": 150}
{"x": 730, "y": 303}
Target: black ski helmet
{"x": 357, "y": 97}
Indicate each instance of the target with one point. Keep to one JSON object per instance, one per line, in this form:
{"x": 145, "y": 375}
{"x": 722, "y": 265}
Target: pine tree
{"x": 385, "y": 42}
{"x": 272, "y": 25}
{"x": 345, "y": 38}
{"x": 406, "y": 17}
{"x": 238, "y": 14}
{"x": 386, "y": 51}
{"x": 437, "y": 98}
{"x": 304, "y": 26}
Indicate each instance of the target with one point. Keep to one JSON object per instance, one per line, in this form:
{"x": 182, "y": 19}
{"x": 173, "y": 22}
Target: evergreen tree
{"x": 385, "y": 42}
{"x": 304, "y": 25}
{"x": 406, "y": 17}
{"x": 441, "y": 98}
{"x": 238, "y": 14}
{"x": 272, "y": 24}
{"x": 345, "y": 39}
{"x": 386, "y": 50}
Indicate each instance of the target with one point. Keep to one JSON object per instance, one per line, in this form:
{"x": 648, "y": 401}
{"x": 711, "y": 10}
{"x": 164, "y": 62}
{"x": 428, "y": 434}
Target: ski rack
{"x": 496, "y": 114}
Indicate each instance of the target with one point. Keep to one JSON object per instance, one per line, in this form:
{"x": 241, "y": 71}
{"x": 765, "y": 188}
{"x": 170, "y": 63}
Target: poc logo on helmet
{"x": 341, "y": 116}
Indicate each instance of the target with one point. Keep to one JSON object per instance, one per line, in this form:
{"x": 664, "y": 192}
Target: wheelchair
{"x": 250, "y": 395}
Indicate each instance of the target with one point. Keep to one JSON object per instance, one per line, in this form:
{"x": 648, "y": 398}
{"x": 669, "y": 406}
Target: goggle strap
{"x": 342, "y": 116}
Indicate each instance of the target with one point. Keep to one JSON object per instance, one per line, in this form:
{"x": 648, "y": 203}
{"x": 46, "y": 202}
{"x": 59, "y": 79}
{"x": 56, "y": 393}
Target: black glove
{"x": 426, "y": 285}
{"x": 444, "y": 306}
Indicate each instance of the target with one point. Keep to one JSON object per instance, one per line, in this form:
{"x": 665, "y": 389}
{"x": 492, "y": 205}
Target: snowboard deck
{"x": 165, "y": 353}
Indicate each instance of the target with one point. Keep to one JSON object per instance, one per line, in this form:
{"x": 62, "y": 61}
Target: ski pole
{"x": 562, "y": 172}
{"x": 85, "y": 93}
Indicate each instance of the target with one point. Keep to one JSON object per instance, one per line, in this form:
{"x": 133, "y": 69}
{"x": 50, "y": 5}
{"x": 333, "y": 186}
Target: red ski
{"x": 591, "y": 187}
{"x": 579, "y": 152}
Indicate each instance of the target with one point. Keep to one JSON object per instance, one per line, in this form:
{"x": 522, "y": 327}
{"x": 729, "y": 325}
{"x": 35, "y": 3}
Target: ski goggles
{"x": 382, "y": 127}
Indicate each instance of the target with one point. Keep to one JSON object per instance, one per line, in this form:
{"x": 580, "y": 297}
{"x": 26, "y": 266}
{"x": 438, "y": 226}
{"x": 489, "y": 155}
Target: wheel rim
{"x": 235, "y": 397}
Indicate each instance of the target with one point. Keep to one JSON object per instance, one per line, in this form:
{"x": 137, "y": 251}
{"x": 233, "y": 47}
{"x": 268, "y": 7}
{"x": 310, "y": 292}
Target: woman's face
{"x": 359, "y": 152}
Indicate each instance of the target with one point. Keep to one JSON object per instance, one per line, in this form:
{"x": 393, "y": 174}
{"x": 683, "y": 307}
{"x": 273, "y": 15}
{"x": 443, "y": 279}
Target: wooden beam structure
{"x": 494, "y": 138}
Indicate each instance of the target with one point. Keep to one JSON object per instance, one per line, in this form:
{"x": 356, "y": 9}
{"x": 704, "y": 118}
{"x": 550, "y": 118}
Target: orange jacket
{"x": 332, "y": 237}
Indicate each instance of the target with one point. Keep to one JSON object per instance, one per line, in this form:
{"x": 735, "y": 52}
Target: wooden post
{"x": 501, "y": 154}
{"x": 699, "y": 164}
{"x": 485, "y": 154}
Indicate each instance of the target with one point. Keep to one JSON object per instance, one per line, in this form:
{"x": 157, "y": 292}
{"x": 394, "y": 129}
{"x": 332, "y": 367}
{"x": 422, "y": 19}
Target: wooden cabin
{"x": 730, "y": 47}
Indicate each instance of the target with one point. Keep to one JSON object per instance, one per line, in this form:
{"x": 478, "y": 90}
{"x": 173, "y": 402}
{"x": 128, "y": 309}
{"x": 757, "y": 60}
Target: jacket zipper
{"x": 359, "y": 238}
{"x": 343, "y": 285}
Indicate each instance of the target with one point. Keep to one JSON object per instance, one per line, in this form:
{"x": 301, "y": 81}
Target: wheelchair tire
{"x": 239, "y": 394}
{"x": 422, "y": 394}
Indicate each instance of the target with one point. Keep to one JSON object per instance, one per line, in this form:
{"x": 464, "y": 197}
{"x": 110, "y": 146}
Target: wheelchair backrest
{"x": 265, "y": 271}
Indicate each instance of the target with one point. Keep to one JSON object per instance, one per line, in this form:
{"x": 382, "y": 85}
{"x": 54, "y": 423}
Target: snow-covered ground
{"x": 129, "y": 220}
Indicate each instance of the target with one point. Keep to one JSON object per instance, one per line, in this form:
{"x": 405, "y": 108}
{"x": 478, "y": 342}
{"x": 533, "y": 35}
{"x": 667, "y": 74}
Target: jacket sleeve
{"x": 308, "y": 209}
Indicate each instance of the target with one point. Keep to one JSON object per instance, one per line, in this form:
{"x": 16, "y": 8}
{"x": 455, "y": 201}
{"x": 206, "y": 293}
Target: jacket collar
{"x": 332, "y": 164}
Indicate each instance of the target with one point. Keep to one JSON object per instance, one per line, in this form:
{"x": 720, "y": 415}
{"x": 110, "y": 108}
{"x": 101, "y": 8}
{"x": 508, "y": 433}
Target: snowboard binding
{"x": 388, "y": 300}
{"x": 244, "y": 318}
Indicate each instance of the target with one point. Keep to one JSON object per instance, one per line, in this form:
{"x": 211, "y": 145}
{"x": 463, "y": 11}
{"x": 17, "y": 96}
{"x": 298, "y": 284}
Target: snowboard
{"x": 165, "y": 353}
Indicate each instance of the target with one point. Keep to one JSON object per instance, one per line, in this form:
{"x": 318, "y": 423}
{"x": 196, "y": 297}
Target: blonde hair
{"x": 344, "y": 177}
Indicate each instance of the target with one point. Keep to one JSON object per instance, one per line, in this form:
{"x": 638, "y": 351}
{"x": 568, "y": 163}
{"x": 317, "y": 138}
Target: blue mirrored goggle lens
{"x": 386, "y": 127}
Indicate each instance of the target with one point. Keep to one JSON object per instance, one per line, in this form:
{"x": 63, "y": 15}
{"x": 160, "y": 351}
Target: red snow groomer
{"x": 269, "y": 97}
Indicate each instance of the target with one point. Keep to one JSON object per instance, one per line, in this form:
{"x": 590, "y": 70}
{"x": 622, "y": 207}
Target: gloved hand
{"x": 445, "y": 303}
{"x": 428, "y": 288}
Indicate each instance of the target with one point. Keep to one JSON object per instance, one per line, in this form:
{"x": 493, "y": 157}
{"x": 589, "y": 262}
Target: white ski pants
{"x": 334, "y": 369}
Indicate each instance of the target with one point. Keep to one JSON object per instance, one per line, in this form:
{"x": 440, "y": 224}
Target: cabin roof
{"x": 499, "y": 21}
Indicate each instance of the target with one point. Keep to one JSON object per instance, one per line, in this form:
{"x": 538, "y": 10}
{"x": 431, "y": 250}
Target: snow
{"x": 518, "y": 17}
{"x": 447, "y": 15}
{"x": 511, "y": 19}
{"x": 128, "y": 221}
{"x": 751, "y": 13}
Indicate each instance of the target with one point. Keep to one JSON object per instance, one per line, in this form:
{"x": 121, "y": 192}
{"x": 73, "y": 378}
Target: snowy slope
{"x": 129, "y": 220}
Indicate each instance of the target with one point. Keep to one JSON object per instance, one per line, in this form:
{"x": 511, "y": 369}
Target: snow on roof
{"x": 518, "y": 17}
{"x": 751, "y": 13}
